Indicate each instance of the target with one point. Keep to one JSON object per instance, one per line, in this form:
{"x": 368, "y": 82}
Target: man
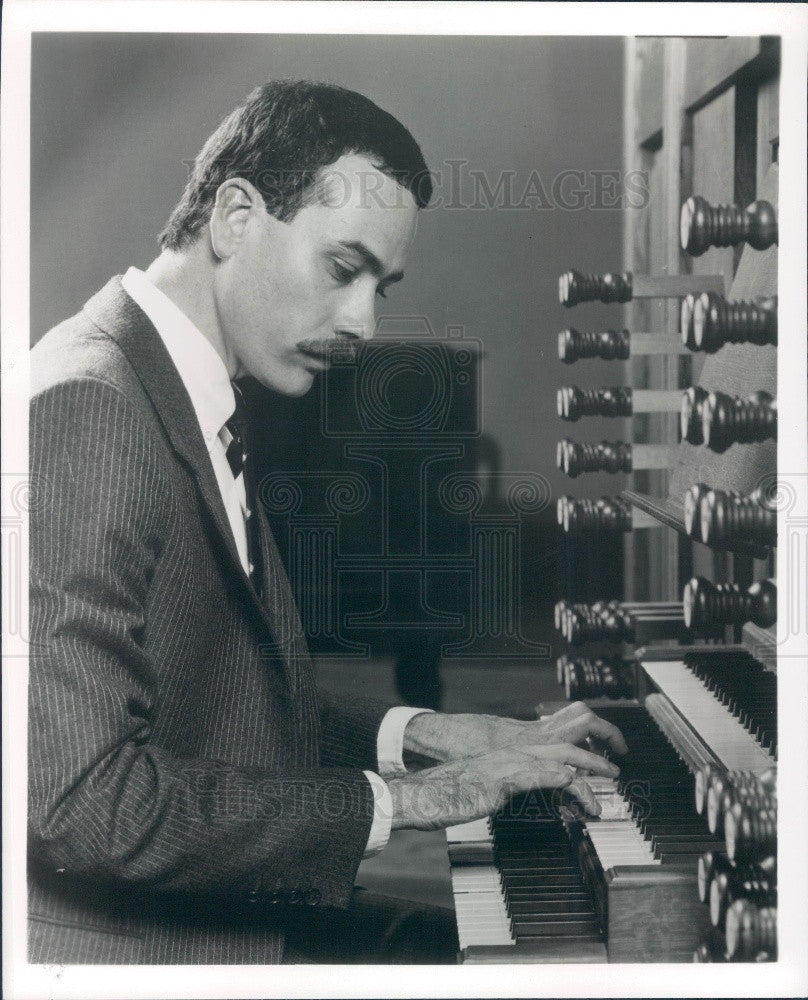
{"x": 192, "y": 798}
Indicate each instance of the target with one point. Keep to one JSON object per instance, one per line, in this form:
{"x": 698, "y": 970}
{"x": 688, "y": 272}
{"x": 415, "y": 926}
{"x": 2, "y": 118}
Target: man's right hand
{"x": 472, "y": 787}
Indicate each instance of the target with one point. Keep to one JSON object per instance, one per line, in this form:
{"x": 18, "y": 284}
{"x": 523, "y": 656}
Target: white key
{"x": 482, "y": 919}
{"x": 726, "y": 737}
{"x": 469, "y": 833}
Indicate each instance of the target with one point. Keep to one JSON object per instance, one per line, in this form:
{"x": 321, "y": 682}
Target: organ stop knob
{"x": 602, "y": 516}
{"x": 751, "y": 931}
{"x": 575, "y": 288}
{"x": 610, "y": 677}
{"x": 725, "y": 519}
{"x": 573, "y": 403}
{"x": 750, "y": 831}
{"x": 703, "y": 225}
{"x": 728, "y": 420}
{"x": 613, "y": 345}
{"x": 707, "y": 605}
{"x": 574, "y": 458}
{"x": 750, "y": 882}
{"x": 614, "y": 401}
{"x": 615, "y": 622}
{"x": 610, "y": 345}
{"x": 607, "y": 514}
{"x": 715, "y": 322}
{"x": 728, "y": 519}
{"x": 691, "y": 414}
{"x": 686, "y": 326}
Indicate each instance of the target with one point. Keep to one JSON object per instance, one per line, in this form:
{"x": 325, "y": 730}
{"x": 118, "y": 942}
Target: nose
{"x": 358, "y": 319}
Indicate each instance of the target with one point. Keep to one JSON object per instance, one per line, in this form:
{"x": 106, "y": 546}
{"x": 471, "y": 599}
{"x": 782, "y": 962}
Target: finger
{"x": 574, "y": 709}
{"x": 562, "y": 775}
{"x": 581, "y": 729}
{"x": 547, "y": 775}
{"x": 566, "y": 714}
{"x": 606, "y": 732}
{"x": 581, "y": 759}
{"x": 584, "y": 794}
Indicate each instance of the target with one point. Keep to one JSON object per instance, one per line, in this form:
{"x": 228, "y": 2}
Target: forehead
{"x": 352, "y": 201}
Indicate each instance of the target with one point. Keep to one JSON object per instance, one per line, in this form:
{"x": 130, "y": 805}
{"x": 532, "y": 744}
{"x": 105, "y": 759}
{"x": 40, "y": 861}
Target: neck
{"x": 187, "y": 279}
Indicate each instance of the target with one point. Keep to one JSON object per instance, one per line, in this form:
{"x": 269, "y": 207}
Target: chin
{"x": 292, "y": 384}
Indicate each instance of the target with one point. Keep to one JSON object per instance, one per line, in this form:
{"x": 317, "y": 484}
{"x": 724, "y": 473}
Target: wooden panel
{"x": 655, "y": 250}
{"x": 768, "y": 126}
{"x": 648, "y": 95}
{"x": 635, "y": 243}
{"x": 746, "y": 147}
{"x": 655, "y": 915}
{"x": 713, "y": 61}
{"x": 551, "y": 952}
{"x": 676, "y": 73}
{"x": 649, "y": 913}
{"x": 714, "y": 172}
{"x": 647, "y": 315}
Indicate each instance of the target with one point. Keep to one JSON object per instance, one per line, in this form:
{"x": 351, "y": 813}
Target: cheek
{"x": 283, "y": 303}
{"x": 302, "y": 303}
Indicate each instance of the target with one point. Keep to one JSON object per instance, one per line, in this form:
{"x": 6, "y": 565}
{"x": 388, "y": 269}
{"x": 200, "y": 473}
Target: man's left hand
{"x": 451, "y": 737}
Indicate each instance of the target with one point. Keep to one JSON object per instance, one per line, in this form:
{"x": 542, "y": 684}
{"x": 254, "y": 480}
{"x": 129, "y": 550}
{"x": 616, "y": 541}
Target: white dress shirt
{"x": 207, "y": 382}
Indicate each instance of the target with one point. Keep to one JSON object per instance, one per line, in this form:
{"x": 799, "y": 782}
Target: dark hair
{"x": 280, "y": 137}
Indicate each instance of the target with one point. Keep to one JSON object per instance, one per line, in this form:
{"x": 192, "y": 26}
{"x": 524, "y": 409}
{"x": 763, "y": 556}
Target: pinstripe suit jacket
{"x": 187, "y": 785}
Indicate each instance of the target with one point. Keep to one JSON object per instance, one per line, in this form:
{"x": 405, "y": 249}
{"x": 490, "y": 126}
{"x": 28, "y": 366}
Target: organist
{"x": 188, "y": 789}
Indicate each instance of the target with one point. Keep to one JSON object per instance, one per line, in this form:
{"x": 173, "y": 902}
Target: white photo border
{"x": 789, "y": 976}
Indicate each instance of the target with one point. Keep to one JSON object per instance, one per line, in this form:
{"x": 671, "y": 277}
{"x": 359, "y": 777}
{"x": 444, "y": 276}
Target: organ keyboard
{"x": 538, "y": 882}
{"x": 730, "y": 741}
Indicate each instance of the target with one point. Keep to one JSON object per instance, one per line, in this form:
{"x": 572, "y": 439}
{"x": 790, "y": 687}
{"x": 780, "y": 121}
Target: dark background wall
{"x": 116, "y": 118}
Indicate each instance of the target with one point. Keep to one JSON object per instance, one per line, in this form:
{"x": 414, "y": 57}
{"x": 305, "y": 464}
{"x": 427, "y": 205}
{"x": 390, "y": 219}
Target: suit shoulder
{"x": 77, "y": 350}
{"x": 80, "y": 376}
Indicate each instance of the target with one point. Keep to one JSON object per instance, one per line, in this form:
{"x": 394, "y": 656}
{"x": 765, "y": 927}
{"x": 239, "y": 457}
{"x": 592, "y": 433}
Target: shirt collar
{"x": 199, "y": 365}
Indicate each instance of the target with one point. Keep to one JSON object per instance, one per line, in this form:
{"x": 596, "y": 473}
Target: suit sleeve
{"x": 105, "y": 801}
{"x": 349, "y": 730}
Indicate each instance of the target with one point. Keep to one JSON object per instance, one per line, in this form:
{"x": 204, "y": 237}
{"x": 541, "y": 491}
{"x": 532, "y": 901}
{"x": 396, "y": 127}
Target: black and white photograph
{"x": 404, "y": 560}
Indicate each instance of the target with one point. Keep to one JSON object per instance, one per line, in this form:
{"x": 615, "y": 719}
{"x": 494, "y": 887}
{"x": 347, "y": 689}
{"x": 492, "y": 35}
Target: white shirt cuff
{"x": 390, "y": 740}
{"x": 382, "y": 815}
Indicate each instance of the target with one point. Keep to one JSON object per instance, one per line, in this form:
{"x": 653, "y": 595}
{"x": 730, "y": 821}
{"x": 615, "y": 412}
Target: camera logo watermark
{"x": 414, "y": 507}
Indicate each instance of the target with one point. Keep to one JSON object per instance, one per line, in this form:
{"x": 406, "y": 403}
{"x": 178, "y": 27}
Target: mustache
{"x": 330, "y": 350}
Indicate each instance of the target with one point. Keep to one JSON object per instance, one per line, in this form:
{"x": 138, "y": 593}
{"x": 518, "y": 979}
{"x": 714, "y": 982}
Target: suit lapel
{"x": 280, "y": 601}
{"x": 124, "y": 321}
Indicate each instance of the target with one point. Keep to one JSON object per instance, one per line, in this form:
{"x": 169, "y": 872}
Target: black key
{"x": 526, "y": 897}
{"x": 540, "y": 906}
{"x": 552, "y": 928}
{"x": 543, "y": 880}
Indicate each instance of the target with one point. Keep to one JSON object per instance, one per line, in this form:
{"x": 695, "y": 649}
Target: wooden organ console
{"x": 681, "y": 865}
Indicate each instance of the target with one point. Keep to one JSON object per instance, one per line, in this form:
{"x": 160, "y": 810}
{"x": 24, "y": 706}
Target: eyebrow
{"x": 371, "y": 261}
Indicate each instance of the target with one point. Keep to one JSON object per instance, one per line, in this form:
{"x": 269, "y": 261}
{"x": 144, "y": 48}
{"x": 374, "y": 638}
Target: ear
{"x": 237, "y": 202}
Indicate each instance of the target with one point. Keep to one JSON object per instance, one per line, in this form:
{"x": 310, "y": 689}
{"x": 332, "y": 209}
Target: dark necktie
{"x": 240, "y": 462}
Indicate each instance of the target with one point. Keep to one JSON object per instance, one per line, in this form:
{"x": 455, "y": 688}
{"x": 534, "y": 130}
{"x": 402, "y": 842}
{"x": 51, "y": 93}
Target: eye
{"x": 343, "y": 274}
